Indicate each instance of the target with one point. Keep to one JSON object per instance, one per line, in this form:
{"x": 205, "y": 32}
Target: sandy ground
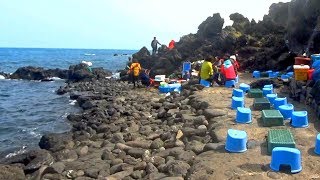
{"x": 254, "y": 163}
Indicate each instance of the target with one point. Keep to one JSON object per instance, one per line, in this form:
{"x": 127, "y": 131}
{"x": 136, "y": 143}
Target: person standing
{"x": 154, "y": 45}
{"x": 171, "y": 44}
{"x": 134, "y": 71}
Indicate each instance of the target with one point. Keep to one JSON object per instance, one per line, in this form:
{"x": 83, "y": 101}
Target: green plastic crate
{"x": 280, "y": 138}
{"x": 272, "y": 118}
{"x": 255, "y": 93}
{"x": 261, "y": 103}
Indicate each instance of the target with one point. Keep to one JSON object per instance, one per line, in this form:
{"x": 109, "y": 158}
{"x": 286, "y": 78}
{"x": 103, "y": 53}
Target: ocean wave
{"x": 72, "y": 102}
{"x": 20, "y": 151}
{"x": 89, "y": 54}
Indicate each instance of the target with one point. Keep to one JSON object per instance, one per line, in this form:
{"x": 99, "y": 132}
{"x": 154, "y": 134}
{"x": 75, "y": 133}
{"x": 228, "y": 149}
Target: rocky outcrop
{"x": 79, "y": 72}
{"x": 271, "y": 44}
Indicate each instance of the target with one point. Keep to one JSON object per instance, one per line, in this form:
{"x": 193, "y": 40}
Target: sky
{"x": 112, "y": 24}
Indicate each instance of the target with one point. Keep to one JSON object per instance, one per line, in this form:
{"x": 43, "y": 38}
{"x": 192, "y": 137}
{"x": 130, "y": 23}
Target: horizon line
{"x": 65, "y": 48}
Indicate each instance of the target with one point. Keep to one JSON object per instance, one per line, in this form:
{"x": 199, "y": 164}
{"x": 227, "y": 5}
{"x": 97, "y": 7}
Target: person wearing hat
{"x": 235, "y": 63}
{"x": 228, "y": 71}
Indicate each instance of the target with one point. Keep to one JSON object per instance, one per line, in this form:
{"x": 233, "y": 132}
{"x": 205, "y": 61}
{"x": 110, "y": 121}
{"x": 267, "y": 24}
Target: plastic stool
{"x": 279, "y": 101}
{"x": 245, "y": 87}
{"x": 290, "y": 74}
{"x": 237, "y": 102}
{"x": 299, "y": 119}
{"x": 286, "y": 156}
{"x": 243, "y": 115}
{"x": 230, "y": 83}
{"x": 284, "y": 77}
{"x": 317, "y": 146}
{"x": 268, "y": 86}
{"x": 237, "y": 79}
{"x": 266, "y": 91}
{"x": 237, "y": 93}
{"x": 269, "y": 73}
{"x": 286, "y": 110}
{"x": 256, "y": 74}
{"x": 205, "y": 83}
{"x": 273, "y": 74}
{"x": 236, "y": 141}
{"x": 271, "y": 97}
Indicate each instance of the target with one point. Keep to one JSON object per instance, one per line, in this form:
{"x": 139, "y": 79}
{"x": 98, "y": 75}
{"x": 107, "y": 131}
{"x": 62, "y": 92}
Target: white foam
{"x": 20, "y": 151}
{"x": 2, "y": 77}
{"x": 72, "y": 102}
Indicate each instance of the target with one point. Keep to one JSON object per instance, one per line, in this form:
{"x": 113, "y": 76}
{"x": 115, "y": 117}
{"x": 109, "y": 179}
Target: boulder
{"x": 56, "y": 142}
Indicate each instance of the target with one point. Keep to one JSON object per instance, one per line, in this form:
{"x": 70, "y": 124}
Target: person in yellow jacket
{"x": 134, "y": 71}
{"x": 207, "y": 70}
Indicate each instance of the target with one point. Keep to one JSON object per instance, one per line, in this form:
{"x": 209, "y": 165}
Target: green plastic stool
{"x": 255, "y": 93}
{"x": 261, "y": 104}
{"x": 280, "y": 138}
{"x": 272, "y": 118}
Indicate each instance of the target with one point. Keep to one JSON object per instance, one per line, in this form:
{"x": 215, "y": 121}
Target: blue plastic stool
{"x": 273, "y": 74}
{"x": 299, "y": 119}
{"x": 269, "y": 73}
{"x": 266, "y": 91}
{"x": 230, "y": 83}
{"x": 237, "y": 93}
{"x": 278, "y": 102}
{"x": 268, "y": 86}
{"x": 237, "y": 79}
{"x": 286, "y": 110}
{"x": 205, "y": 83}
{"x": 290, "y": 74}
{"x": 271, "y": 97}
{"x": 317, "y": 146}
{"x": 237, "y": 102}
{"x": 236, "y": 141}
{"x": 245, "y": 87}
{"x": 256, "y": 74}
{"x": 284, "y": 77}
{"x": 243, "y": 115}
{"x": 286, "y": 156}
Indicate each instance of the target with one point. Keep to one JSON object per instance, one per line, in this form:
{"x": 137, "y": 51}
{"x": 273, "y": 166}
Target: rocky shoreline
{"x": 121, "y": 134}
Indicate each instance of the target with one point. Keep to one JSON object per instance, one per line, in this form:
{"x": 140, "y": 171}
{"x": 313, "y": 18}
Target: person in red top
{"x": 235, "y": 63}
{"x": 171, "y": 44}
{"x": 227, "y": 69}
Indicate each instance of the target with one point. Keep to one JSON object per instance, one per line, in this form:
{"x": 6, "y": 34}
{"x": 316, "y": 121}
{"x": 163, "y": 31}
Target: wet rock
{"x": 11, "y": 172}
{"x": 178, "y": 168}
{"x": 56, "y": 142}
{"x": 32, "y": 160}
{"x": 156, "y": 144}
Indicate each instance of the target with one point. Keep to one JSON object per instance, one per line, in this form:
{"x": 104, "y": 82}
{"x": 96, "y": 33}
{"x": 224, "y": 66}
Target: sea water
{"x": 29, "y": 109}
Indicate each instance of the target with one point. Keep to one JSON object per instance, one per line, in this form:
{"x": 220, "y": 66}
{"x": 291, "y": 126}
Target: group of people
{"x": 155, "y": 42}
{"x": 136, "y": 73}
{"x": 219, "y": 70}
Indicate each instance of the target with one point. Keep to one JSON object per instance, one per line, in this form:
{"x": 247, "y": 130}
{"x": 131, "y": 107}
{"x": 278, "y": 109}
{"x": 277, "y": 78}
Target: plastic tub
{"x": 301, "y": 72}
{"x": 302, "y": 60}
